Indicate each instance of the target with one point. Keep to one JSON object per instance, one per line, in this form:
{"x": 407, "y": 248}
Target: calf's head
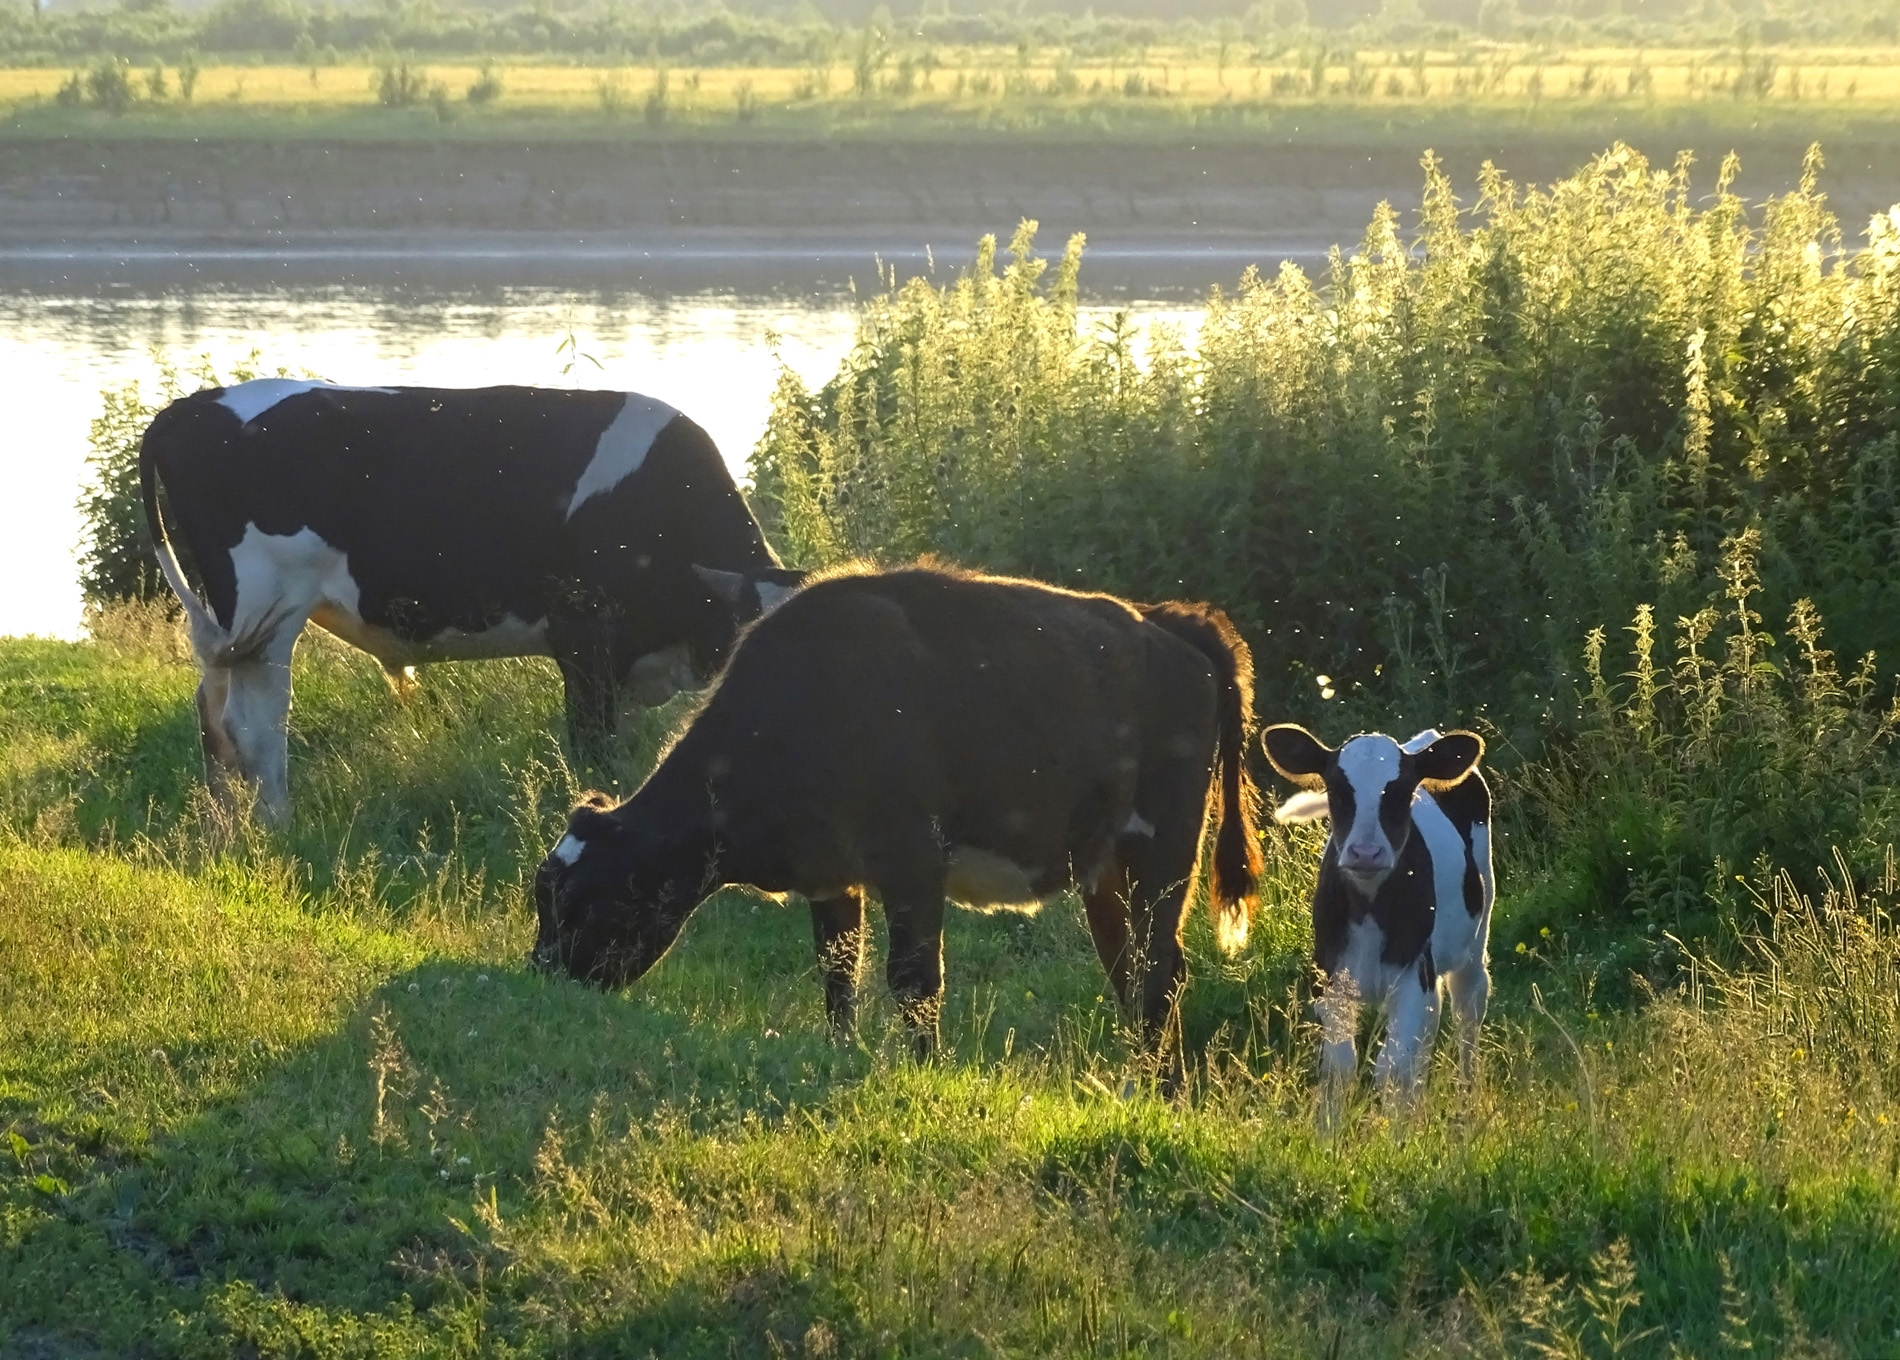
{"x": 1368, "y": 785}
{"x": 612, "y": 897}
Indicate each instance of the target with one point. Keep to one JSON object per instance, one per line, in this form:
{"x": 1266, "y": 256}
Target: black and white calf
{"x": 438, "y": 524}
{"x": 1404, "y": 894}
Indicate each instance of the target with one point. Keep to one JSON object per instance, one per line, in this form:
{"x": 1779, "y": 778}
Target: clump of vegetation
{"x": 399, "y": 85}
{"x": 487, "y": 87}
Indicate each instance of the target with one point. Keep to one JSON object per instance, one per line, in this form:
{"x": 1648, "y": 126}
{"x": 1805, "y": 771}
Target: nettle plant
{"x": 1721, "y": 748}
{"x": 1541, "y": 408}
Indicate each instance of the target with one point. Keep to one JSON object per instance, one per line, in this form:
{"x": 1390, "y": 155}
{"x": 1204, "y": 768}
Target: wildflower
{"x": 481, "y": 977}
{"x": 415, "y": 988}
{"x": 1542, "y": 931}
{"x": 1520, "y": 947}
{"x": 1799, "y": 1055}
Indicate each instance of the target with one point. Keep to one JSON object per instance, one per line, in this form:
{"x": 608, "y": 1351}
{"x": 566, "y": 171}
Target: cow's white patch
{"x": 1309, "y": 805}
{"x": 1421, "y": 741}
{"x": 982, "y": 878}
{"x": 1366, "y": 853}
{"x": 1453, "y": 928}
{"x": 1137, "y": 825}
{"x": 281, "y": 579}
{"x": 772, "y": 596}
{"x": 249, "y": 400}
{"x": 569, "y": 850}
{"x": 622, "y": 448}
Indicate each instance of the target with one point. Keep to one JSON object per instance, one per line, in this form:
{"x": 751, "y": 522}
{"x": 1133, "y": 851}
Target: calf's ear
{"x": 1297, "y": 754}
{"x": 1448, "y": 760}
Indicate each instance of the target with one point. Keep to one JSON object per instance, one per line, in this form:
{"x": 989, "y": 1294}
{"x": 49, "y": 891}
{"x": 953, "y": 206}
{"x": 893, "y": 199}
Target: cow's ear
{"x": 726, "y": 585}
{"x": 592, "y": 819}
{"x": 1297, "y": 754}
{"x": 1448, "y": 760}
{"x": 774, "y": 585}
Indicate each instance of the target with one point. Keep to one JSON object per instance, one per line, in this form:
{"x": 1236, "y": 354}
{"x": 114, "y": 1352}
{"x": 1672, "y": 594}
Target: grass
{"x": 1293, "y": 94}
{"x": 302, "y": 1097}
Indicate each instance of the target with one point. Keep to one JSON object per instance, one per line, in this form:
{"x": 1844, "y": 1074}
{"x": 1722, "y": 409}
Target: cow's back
{"x": 1007, "y": 711}
{"x": 454, "y": 508}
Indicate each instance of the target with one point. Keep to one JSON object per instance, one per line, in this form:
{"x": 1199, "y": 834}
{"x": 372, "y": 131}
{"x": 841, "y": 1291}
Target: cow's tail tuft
{"x": 1237, "y": 865}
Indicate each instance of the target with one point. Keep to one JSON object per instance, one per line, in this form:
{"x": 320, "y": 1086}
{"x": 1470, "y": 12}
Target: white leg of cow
{"x": 1338, "y": 1055}
{"x": 1470, "y": 996}
{"x": 1413, "y": 1012}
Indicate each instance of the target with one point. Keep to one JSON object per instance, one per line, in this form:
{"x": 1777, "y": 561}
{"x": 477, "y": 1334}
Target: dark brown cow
{"x": 928, "y": 734}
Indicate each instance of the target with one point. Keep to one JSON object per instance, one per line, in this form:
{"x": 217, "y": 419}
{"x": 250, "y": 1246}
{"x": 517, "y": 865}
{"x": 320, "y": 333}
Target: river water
{"x": 71, "y": 330}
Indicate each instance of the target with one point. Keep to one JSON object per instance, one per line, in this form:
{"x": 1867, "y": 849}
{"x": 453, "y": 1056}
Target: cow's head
{"x": 739, "y": 598}
{"x": 612, "y": 896}
{"x": 1368, "y": 785}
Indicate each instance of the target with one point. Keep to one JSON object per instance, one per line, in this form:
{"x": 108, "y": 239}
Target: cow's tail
{"x": 208, "y": 637}
{"x": 1237, "y": 867}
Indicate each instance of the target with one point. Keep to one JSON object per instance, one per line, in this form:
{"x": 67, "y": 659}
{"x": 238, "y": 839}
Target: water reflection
{"x": 714, "y": 355}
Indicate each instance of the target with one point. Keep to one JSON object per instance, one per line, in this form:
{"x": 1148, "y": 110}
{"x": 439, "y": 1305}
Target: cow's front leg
{"x": 837, "y": 926}
{"x": 915, "y": 966}
{"x": 593, "y": 704}
{"x": 1413, "y": 1023}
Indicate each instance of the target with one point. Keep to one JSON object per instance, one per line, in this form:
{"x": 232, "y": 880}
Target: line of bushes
{"x": 1424, "y": 485}
{"x": 712, "y": 34}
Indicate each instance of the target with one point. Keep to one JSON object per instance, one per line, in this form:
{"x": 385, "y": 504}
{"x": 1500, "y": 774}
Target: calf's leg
{"x": 837, "y": 925}
{"x": 1338, "y": 1049}
{"x": 1470, "y": 988}
{"x": 1413, "y": 1017}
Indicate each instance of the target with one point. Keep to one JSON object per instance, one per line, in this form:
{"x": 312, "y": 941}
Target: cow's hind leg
{"x": 1105, "y": 903}
{"x": 837, "y": 925}
{"x": 1160, "y": 865}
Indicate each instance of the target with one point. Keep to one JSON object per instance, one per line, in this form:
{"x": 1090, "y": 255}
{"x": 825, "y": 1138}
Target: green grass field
{"x": 302, "y": 1097}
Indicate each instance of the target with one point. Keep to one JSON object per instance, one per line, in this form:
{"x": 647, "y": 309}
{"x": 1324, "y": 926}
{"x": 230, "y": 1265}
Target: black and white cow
{"x": 1404, "y": 894}
{"x": 438, "y": 524}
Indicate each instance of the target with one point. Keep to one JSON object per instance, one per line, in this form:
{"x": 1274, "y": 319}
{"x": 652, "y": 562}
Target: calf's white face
{"x": 1367, "y": 838}
{"x": 1367, "y": 784}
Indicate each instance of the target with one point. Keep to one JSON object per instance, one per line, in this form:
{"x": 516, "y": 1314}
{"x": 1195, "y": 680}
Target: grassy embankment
{"x": 1323, "y": 95}
{"x": 300, "y": 1096}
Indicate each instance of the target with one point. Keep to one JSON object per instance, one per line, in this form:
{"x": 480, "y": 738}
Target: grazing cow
{"x": 434, "y": 524}
{"x": 1404, "y": 893}
{"x": 927, "y": 734}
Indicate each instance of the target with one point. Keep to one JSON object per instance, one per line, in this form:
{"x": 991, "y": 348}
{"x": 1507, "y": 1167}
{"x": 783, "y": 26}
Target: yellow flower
{"x": 1544, "y": 931}
{"x": 1520, "y": 947}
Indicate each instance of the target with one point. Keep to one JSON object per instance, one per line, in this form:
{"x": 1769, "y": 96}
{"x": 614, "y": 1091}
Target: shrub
{"x": 1424, "y": 476}
{"x": 487, "y": 86}
{"x": 115, "y": 550}
{"x": 399, "y": 85}
{"x": 109, "y": 85}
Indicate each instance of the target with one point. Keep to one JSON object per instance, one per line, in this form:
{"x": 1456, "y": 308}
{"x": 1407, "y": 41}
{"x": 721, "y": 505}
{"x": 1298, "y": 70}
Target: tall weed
{"x": 1421, "y": 475}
